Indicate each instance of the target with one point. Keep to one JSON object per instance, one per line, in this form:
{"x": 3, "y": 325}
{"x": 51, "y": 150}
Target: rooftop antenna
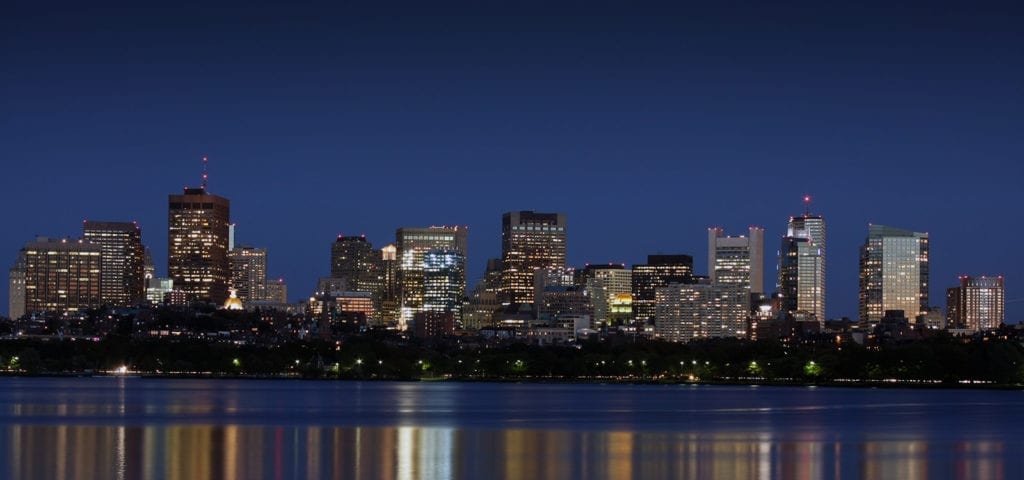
{"x": 205, "y": 176}
{"x": 807, "y": 205}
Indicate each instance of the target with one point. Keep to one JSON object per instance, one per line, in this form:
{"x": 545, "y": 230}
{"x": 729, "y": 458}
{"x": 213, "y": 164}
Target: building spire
{"x": 807, "y": 205}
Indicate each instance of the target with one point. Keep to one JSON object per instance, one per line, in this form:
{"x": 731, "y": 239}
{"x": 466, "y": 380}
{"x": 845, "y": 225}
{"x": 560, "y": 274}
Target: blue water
{"x": 127, "y": 428}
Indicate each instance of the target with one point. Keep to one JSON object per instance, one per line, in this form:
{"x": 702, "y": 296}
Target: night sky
{"x": 644, "y": 122}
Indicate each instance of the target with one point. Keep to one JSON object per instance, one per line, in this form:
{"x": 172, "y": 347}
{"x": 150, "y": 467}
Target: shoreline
{"x": 855, "y": 384}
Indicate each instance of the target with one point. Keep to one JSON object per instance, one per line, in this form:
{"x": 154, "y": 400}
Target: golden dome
{"x": 233, "y": 302}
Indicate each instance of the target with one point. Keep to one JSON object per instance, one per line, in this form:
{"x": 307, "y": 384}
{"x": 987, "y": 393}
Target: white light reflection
{"x": 120, "y": 449}
{"x": 764, "y": 456}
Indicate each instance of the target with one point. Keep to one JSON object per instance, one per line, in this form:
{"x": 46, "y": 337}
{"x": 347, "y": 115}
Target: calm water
{"x": 126, "y": 428}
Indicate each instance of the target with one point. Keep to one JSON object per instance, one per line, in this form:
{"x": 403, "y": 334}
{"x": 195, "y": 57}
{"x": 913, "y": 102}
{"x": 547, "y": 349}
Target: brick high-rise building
{"x": 978, "y": 303}
{"x": 197, "y": 244}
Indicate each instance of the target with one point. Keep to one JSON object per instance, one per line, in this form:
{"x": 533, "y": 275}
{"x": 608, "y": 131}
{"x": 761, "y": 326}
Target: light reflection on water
{"x": 195, "y": 430}
{"x": 198, "y": 452}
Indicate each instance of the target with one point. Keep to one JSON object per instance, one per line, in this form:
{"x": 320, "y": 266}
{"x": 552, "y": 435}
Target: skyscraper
{"x": 386, "y": 301}
{"x": 529, "y": 241}
{"x": 249, "y": 273}
{"x": 659, "y": 271}
{"x": 16, "y": 293}
{"x": 444, "y": 276}
{"x": 802, "y": 266}
{"x": 953, "y": 316}
{"x": 893, "y": 273}
{"x": 354, "y": 260}
{"x": 148, "y": 268}
{"x": 122, "y": 263}
{"x": 557, "y": 292}
{"x": 737, "y": 260}
{"x": 197, "y": 244}
{"x": 483, "y": 300}
{"x": 603, "y": 284}
{"x": 61, "y": 276}
{"x": 412, "y": 246}
{"x": 736, "y": 269}
{"x": 978, "y": 303}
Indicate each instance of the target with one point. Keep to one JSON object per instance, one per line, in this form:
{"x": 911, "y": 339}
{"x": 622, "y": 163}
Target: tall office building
{"x": 62, "y": 276}
{"x": 893, "y": 273}
{"x": 483, "y": 300}
{"x": 354, "y": 260}
{"x": 122, "y": 264}
{"x": 444, "y": 277}
{"x": 16, "y": 292}
{"x": 553, "y": 277}
{"x": 249, "y": 273}
{"x": 557, "y": 292}
{"x": 529, "y": 240}
{"x": 386, "y": 301}
{"x": 737, "y": 260}
{"x": 953, "y": 308}
{"x": 412, "y": 245}
{"x": 555, "y": 303}
{"x": 148, "y": 268}
{"x": 197, "y": 244}
{"x": 736, "y": 270}
{"x": 659, "y": 271}
{"x": 388, "y": 256}
{"x": 978, "y": 303}
{"x": 802, "y": 266}
{"x": 605, "y": 283}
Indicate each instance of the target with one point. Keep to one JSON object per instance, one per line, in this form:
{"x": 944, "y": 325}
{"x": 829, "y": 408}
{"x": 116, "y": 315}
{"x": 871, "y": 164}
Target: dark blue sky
{"x": 644, "y": 122}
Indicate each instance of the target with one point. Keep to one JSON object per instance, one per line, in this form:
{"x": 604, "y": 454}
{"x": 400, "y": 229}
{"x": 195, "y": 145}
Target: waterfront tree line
{"x": 939, "y": 360}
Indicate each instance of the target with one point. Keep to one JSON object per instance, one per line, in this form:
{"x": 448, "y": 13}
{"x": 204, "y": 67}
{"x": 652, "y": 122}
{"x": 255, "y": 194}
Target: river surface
{"x": 134, "y": 428}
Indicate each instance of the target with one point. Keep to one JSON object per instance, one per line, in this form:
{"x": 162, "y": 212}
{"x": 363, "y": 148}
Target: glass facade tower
{"x": 802, "y": 266}
{"x": 893, "y": 273}
{"x": 412, "y": 246}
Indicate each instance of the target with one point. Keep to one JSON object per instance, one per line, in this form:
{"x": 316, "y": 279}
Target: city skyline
{"x": 644, "y": 127}
{"x": 714, "y": 234}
